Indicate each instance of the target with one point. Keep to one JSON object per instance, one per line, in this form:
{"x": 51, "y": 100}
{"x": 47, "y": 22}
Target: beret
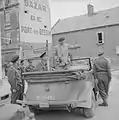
{"x": 61, "y": 39}
{"x": 15, "y": 58}
{"x": 100, "y": 53}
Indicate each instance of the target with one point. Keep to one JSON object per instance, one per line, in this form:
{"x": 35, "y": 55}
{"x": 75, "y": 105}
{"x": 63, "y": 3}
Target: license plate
{"x": 49, "y": 98}
{"x": 44, "y": 105}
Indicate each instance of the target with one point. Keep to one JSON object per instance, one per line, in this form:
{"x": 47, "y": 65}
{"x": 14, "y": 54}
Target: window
{"x": 7, "y": 18}
{"x": 100, "y": 38}
{"x": 8, "y": 37}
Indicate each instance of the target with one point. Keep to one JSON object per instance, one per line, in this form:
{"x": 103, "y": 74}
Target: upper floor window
{"x": 8, "y": 38}
{"x": 7, "y": 18}
{"x": 100, "y": 37}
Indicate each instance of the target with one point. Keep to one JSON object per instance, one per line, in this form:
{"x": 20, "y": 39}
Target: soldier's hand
{"x": 14, "y": 90}
{"x": 96, "y": 81}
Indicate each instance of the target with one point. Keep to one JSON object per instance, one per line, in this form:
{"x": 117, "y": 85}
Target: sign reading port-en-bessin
{"x": 34, "y": 21}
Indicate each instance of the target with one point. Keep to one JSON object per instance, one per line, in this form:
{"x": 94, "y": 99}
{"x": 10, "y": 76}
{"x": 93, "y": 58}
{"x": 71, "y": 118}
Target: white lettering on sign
{"x": 29, "y": 30}
{"x": 34, "y": 20}
{"x": 36, "y": 5}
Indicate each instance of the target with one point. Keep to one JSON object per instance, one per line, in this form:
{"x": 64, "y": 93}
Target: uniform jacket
{"x": 30, "y": 68}
{"x": 101, "y": 65}
{"x": 61, "y": 51}
{"x": 14, "y": 77}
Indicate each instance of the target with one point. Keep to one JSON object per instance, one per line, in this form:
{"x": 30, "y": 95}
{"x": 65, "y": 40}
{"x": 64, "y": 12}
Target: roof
{"x": 98, "y": 19}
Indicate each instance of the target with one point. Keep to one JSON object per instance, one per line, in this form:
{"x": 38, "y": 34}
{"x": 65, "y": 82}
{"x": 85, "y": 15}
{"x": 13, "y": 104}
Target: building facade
{"x": 90, "y": 43}
{"x": 9, "y": 28}
{"x": 9, "y": 21}
{"x": 93, "y": 31}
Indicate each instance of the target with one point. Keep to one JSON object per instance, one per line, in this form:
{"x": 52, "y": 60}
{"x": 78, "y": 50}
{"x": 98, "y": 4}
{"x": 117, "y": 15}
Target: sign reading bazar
{"x": 34, "y": 21}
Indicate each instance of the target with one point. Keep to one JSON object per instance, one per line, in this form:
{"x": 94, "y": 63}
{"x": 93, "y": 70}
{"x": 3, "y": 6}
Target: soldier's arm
{"x": 18, "y": 78}
{"x": 109, "y": 70}
{"x": 11, "y": 78}
{"x": 94, "y": 70}
{"x": 55, "y": 54}
{"x": 55, "y": 50}
{"x": 27, "y": 69}
{"x": 73, "y": 46}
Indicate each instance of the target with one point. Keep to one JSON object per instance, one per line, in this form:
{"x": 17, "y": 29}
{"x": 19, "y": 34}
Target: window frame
{"x": 7, "y": 18}
{"x": 98, "y": 37}
{"x": 8, "y": 37}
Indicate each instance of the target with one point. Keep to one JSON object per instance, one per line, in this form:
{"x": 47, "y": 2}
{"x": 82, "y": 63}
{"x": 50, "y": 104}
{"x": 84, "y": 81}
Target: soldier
{"x": 102, "y": 73}
{"x": 30, "y": 67}
{"x": 62, "y": 50}
{"x": 22, "y": 70}
{"x": 14, "y": 79}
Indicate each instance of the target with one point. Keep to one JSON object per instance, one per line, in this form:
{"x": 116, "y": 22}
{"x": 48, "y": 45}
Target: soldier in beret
{"x": 14, "y": 78}
{"x": 22, "y": 70}
{"x": 102, "y": 73}
{"x": 62, "y": 51}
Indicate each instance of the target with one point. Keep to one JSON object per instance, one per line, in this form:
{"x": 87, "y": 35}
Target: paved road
{"x": 108, "y": 113}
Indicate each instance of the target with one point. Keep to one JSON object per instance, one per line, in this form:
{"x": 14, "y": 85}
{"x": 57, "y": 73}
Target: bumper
{"x": 56, "y": 104}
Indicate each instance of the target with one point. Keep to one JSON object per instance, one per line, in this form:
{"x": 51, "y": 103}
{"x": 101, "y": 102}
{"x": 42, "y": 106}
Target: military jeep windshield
{"x": 81, "y": 63}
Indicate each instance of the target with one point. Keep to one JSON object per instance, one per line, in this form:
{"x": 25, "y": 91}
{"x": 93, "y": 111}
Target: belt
{"x": 101, "y": 71}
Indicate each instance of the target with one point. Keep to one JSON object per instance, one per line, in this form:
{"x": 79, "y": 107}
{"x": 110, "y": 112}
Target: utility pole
{"x": 47, "y": 55}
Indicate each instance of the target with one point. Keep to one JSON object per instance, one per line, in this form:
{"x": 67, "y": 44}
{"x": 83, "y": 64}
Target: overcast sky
{"x": 67, "y": 8}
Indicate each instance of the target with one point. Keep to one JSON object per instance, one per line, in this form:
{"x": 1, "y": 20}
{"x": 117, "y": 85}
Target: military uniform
{"x": 102, "y": 73}
{"x": 62, "y": 51}
{"x": 41, "y": 66}
{"x": 14, "y": 78}
{"x": 30, "y": 67}
{"x": 22, "y": 70}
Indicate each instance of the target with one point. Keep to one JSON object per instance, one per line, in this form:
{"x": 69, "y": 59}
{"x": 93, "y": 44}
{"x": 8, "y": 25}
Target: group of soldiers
{"x": 14, "y": 71}
{"x": 101, "y": 71}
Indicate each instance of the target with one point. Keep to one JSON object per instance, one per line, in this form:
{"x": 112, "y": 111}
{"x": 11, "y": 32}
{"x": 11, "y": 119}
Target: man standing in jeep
{"x": 62, "y": 51}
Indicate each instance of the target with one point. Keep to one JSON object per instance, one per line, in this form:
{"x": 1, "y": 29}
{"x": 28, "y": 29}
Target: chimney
{"x": 90, "y": 9}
